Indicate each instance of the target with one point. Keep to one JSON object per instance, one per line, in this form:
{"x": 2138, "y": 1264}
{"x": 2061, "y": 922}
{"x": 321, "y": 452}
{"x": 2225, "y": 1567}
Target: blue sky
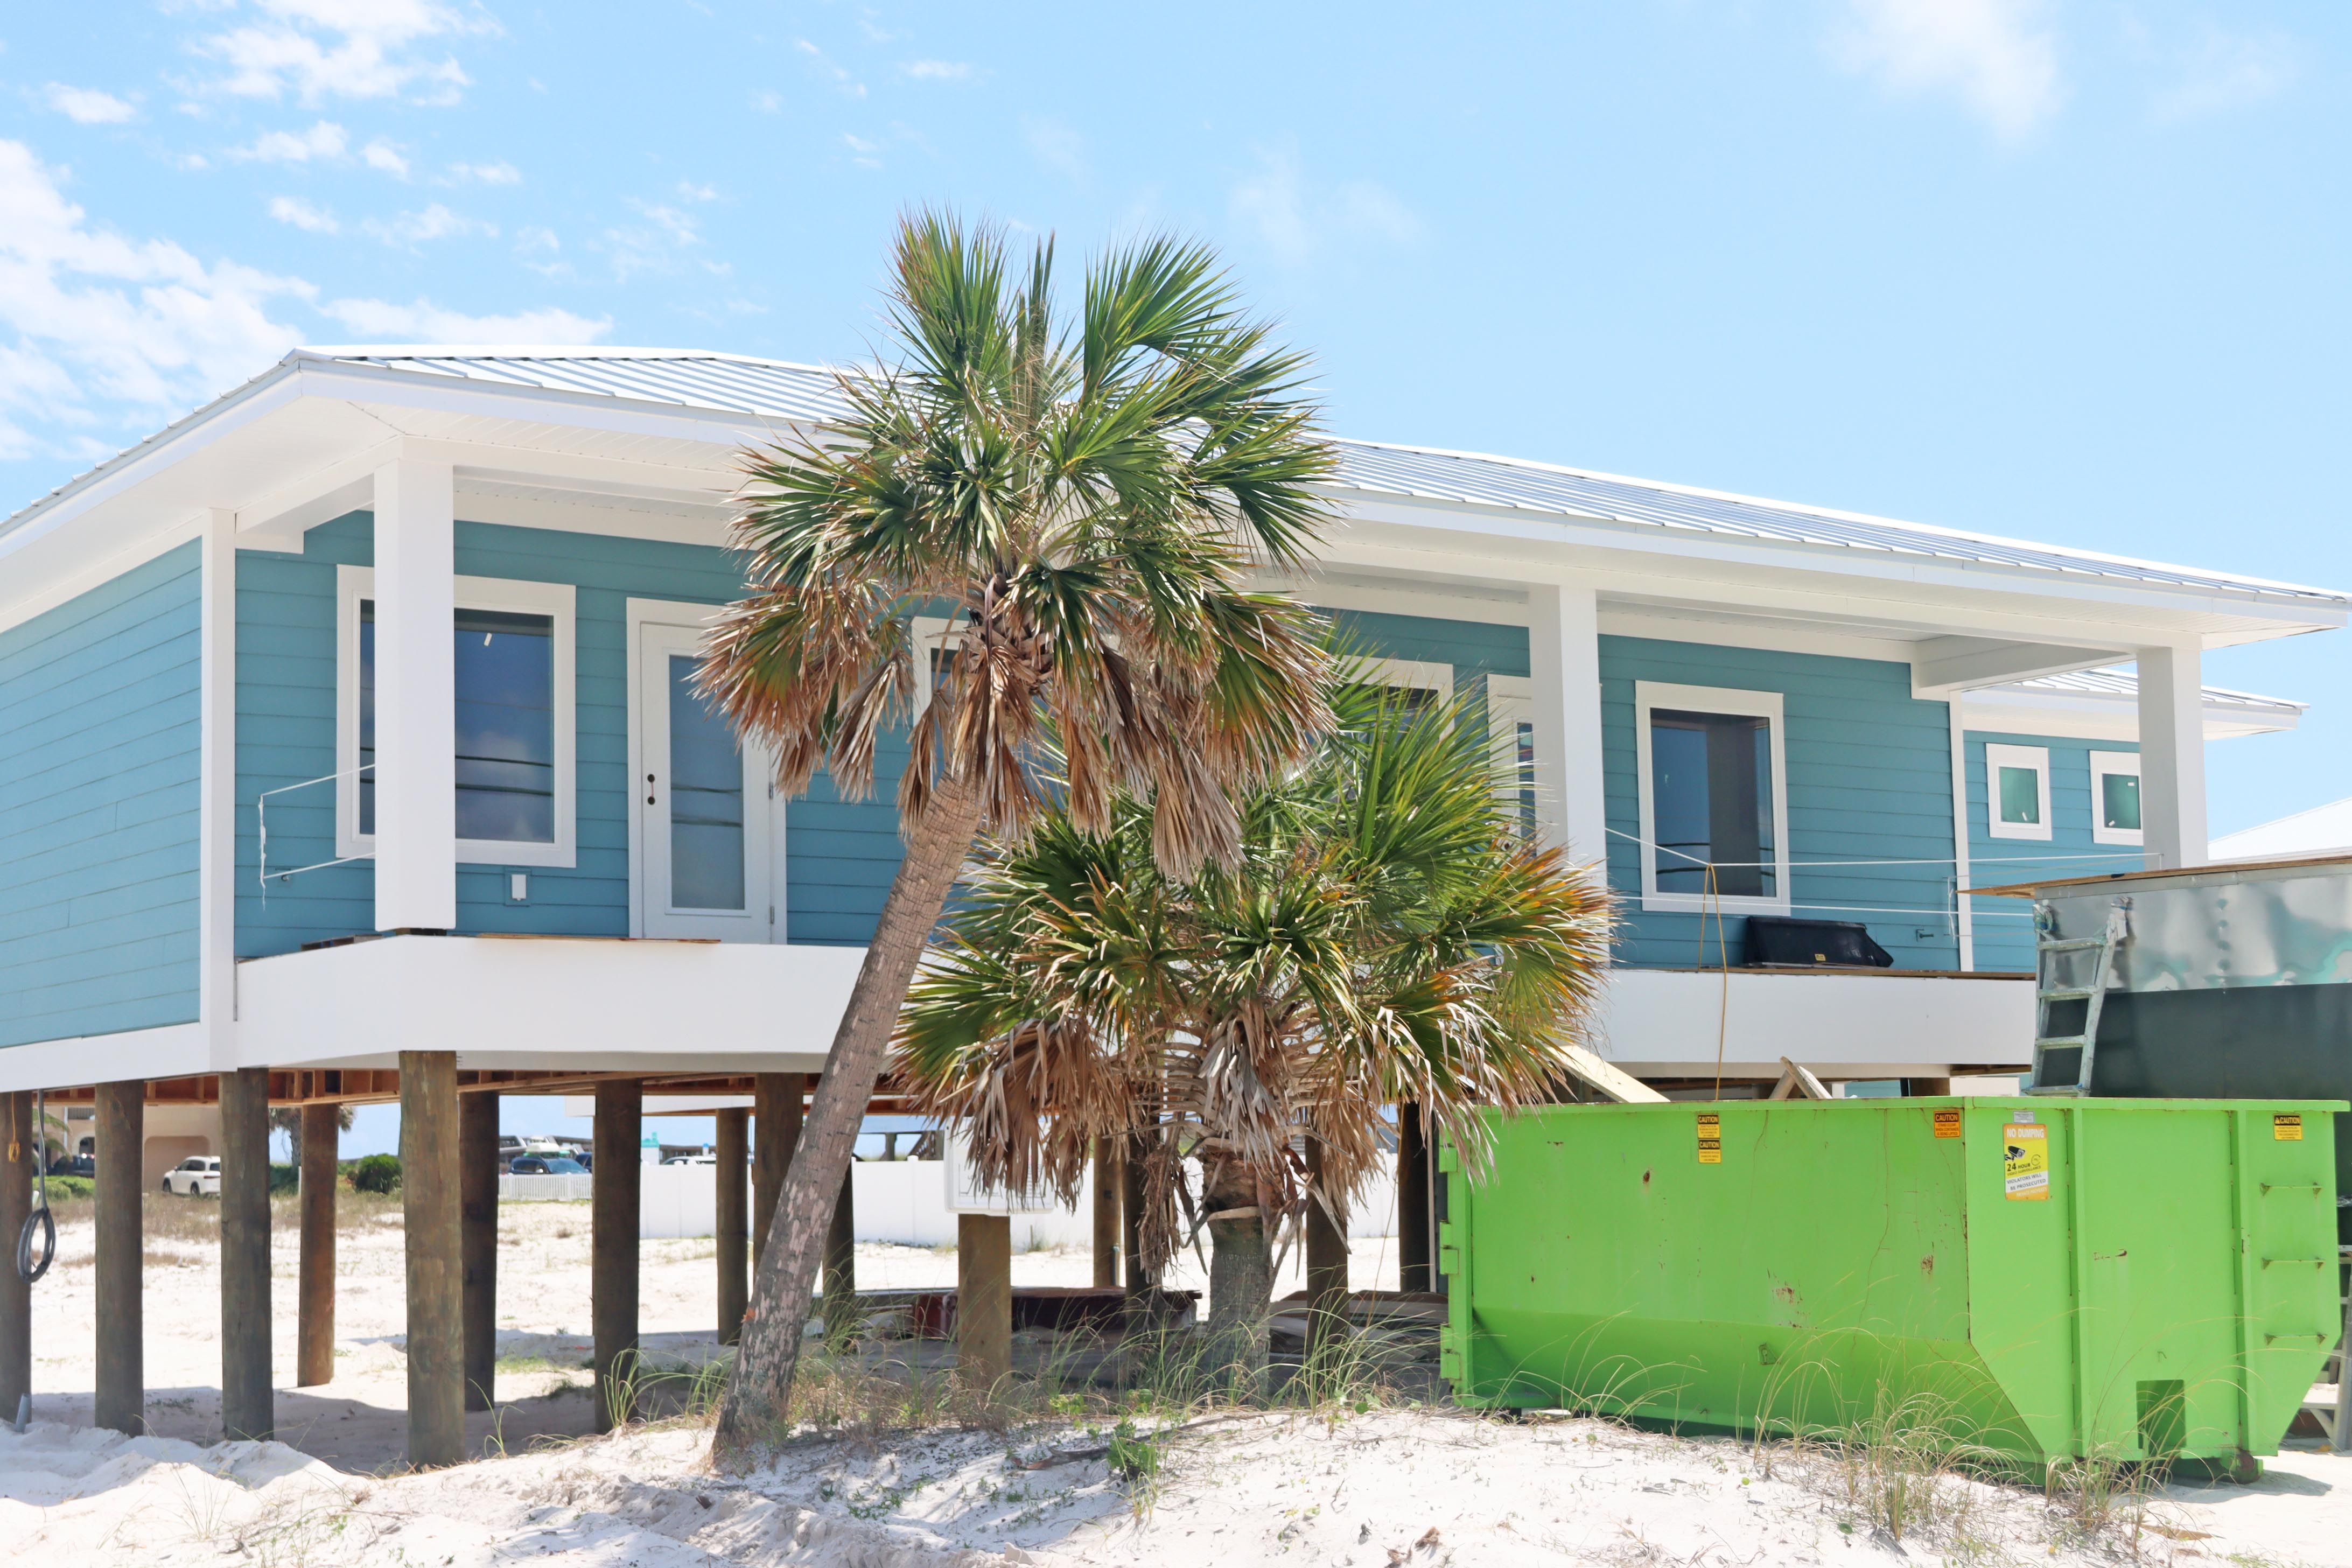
{"x": 2071, "y": 269}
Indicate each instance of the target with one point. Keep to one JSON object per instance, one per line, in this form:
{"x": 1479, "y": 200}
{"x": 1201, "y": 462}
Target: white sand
{"x": 1366, "y": 1491}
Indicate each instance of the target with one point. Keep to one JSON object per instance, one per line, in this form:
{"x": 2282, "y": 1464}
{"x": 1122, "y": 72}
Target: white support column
{"x": 1564, "y": 661}
{"x": 416, "y": 696}
{"x": 216, "y": 786}
{"x": 2172, "y": 754}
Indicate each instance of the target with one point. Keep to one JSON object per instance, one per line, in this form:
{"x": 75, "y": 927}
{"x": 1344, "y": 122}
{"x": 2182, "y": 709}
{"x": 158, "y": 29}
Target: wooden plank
{"x": 120, "y": 1316}
{"x": 249, "y": 1400}
{"x": 314, "y": 1329}
{"x": 477, "y": 1242}
{"x": 429, "y": 1186}
{"x": 618, "y": 1182}
{"x": 1610, "y": 1081}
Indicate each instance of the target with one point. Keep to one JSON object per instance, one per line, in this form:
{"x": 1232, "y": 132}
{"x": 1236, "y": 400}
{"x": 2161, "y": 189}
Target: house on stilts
{"x": 349, "y": 751}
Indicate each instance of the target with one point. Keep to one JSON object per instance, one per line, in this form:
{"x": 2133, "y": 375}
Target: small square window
{"x": 2017, "y": 790}
{"x": 2115, "y": 798}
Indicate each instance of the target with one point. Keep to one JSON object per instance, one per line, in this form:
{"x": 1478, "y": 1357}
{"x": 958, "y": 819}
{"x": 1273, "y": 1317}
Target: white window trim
{"x": 2102, "y": 764}
{"x": 1510, "y": 702}
{"x": 1653, "y": 694}
{"x": 925, "y": 633}
{"x": 1409, "y": 675}
{"x": 1998, "y": 756}
{"x": 557, "y": 601}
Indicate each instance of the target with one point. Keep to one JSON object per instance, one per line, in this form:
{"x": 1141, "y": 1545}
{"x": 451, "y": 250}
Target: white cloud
{"x": 768, "y": 102}
{"x": 381, "y": 155}
{"x": 1997, "y": 57}
{"x": 323, "y": 141}
{"x": 499, "y": 173}
{"x": 436, "y": 222}
{"x": 319, "y": 49}
{"x": 2228, "y": 71}
{"x": 1296, "y": 220}
{"x": 87, "y": 105}
{"x": 294, "y": 210}
{"x": 689, "y": 190}
{"x": 425, "y": 322}
{"x": 937, "y": 70}
{"x": 1055, "y": 144}
{"x": 97, "y": 330}
{"x": 825, "y": 66}
{"x": 864, "y": 154}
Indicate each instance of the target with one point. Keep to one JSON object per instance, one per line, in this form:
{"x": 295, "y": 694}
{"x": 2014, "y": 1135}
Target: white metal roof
{"x": 2124, "y": 685}
{"x": 777, "y": 389}
{"x": 2323, "y": 829}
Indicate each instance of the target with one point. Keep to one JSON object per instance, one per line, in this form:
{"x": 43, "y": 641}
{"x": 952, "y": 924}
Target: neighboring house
{"x": 233, "y": 660}
{"x": 2322, "y": 830}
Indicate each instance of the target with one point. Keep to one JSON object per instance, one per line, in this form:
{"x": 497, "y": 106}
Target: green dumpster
{"x": 2050, "y": 1280}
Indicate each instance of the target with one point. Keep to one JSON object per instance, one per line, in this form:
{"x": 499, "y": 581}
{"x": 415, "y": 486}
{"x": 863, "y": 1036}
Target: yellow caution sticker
{"x": 1948, "y": 1123}
{"x": 2025, "y": 1161}
{"x": 2287, "y": 1128}
{"x": 1710, "y": 1138}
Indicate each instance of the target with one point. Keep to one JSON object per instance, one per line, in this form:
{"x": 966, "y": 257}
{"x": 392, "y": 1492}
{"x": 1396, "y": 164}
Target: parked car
{"x": 545, "y": 1165}
{"x": 691, "y": 1159}
{"x": 79, "y": 1165}
{"x": 198, "y": 1177}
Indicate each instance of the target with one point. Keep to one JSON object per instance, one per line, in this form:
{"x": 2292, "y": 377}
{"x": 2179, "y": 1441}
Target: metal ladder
{"x": 2049, "y": 950}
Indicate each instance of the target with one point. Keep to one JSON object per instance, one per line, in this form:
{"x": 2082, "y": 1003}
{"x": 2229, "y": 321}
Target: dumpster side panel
{"x": 1607, "y": 1262}
{"x": 2020, "y": 1267}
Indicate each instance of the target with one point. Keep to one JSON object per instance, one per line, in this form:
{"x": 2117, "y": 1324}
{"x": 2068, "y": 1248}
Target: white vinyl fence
{"x": 903, "y": 1201}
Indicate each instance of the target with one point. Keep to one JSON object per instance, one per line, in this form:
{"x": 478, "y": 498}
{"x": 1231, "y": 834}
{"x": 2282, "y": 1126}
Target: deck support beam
{"x": 1130, "y": 1227}
{"x": 1326, "y": 1263}
{"x": 248, "y": 1396}
{"x": 314, "y": 1308}
{"x": 429, "y": 1186}
{"x": 776, "y": 1132}
{"x": 21, "y": 1146}
{"x": 478, "y": 1243}
{"x": 1413, "y": 1272}
{"x": 2172, "y": 756}
{"x": 619, "y": 1184}
{"x": 121, "y": 1314}
{"x": 840, "y": 1260}
{"x": 983, "y": 1300}
{"x": 732, "y": 1149}
{"x": 1106, "y": 1213}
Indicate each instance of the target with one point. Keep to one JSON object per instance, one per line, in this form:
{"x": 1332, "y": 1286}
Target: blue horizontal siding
{"x": 1870, "y": 778}
{"x": 2003, "y": 928}
{"x": 99, "y": 739}
{"x": 840, "y": 857}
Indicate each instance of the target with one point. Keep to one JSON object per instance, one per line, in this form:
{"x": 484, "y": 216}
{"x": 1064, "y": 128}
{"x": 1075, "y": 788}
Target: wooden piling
{"x": 983, "y": 1300}
{"x": 1106, "y": 1206}
{"x": 1130, "y": 1234}
{"x": 619, "y": 1183}
{"x": 120, "y": 1311}
{"x": 249, "y": 1397}
{"x": 19, "y": 1140}
{"x": 1414, "y": 1271}
{"x": 314, "y": 1310}
{"x": 477, "y": 1242}
{"x": 840, "y": 1260}
{"x": 1327, "y": 1264}
{"x": 776, "y": 1128}
{"x": 733, "y": 1226}
{"x": 428, "y": 1187}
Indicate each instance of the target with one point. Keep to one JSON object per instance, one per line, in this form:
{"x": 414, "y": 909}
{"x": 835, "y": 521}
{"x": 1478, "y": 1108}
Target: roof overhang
{"x": 300, "y": 444}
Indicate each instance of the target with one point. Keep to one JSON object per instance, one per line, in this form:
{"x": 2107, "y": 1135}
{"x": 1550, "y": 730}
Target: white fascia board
{"x": 2090, "y": 716}
{"x": 1777, "y": 587}
{"x": 1841, "y": 1025}
{"x": 605, "y": 1006}
{"x": 174, "y": 1050}
{"x": 1448, "y": 528}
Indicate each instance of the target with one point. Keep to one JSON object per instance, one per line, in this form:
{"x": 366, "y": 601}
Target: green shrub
{"x": 375, "y": 1173}
{"x": 285, "y": 1179}
{"x": 64, "y": 1187}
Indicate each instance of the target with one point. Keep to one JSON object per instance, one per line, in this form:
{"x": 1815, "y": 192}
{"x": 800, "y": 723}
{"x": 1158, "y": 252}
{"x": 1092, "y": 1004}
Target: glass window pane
{"x": 2020, "y": 796}
{"x": 506, "y": 727}
{"x": 1711, "y": 799}
{"x": 2119, "y": 800}
{"x": 705, "y": 799}
{"x": 367, "y": 716}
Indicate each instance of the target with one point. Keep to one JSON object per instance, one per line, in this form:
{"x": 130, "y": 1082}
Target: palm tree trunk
{"x": 759, "y": 1394}
{"x": 1240, "y": 1278}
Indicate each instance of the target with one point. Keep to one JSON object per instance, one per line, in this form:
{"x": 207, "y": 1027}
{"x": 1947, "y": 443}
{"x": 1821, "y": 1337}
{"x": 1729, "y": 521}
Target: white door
{"x": 708, "y": 832}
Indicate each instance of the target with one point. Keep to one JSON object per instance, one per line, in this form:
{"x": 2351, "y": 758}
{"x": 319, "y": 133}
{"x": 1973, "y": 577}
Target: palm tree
{"x": 1385, "y": 937}
{"x": 1082, "y": 499}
